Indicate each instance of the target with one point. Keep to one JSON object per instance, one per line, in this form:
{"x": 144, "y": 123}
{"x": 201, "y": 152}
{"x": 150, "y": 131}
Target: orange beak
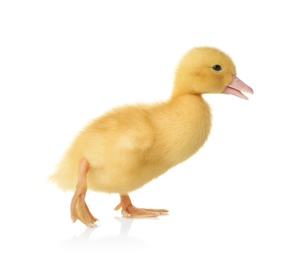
{"x": 236, "y": 87}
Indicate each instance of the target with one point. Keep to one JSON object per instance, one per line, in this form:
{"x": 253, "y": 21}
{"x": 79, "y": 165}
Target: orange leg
{"x": 78, "y": 207}
{"x": 130, "y": 211}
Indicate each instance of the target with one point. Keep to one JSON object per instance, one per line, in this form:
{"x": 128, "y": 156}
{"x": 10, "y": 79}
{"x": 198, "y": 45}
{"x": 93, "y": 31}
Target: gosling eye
{"x": 217, "y": 67}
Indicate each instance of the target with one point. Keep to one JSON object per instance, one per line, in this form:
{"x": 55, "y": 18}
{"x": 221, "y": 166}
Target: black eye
{"x": 217, "y": 67}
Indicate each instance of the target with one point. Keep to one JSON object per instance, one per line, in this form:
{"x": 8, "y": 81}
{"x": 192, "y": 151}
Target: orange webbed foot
{"x": 130, "y": 211}
{"x": 78, "y": 207}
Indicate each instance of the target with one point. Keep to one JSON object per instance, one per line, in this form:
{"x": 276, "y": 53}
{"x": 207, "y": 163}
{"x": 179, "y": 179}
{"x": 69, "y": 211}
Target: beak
{"x": 236, "y": 86}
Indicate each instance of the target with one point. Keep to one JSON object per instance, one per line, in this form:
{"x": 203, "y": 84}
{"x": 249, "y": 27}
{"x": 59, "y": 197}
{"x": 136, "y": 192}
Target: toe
{"x": 159, "y": 211}
{"x": 141, "y": 213}
{"x": 79, "y": 210}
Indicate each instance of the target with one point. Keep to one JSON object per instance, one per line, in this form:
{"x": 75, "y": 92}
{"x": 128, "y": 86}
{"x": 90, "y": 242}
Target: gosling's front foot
{"x": 130, "y": 211}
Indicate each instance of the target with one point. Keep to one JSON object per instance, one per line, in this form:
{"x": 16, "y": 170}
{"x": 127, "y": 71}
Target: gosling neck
{"x": 179, "y": 91}
{"x": 182, "y": 87}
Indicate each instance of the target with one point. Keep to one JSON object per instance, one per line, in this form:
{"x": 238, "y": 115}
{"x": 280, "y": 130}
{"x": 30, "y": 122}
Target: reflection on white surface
{"x": 126, "y": 224}
{"x": 102, "y": 240}
{"x": 89, "y": 238}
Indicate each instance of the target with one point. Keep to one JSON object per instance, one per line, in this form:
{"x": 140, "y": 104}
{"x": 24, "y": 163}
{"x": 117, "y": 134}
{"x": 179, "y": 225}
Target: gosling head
{"x": 208, "y": 70}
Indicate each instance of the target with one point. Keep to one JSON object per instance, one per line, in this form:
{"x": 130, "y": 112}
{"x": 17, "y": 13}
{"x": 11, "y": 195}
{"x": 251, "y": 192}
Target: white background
{"x": 63, "y": 63}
